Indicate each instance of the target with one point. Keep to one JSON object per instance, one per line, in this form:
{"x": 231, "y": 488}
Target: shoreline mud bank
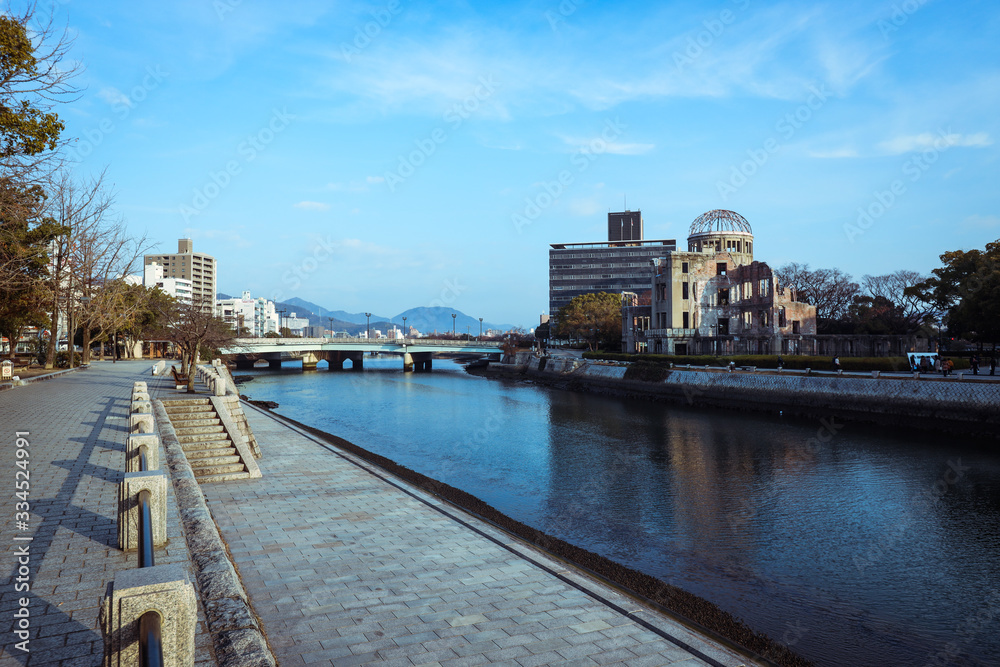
{"x": 950, "y": 406}
{"x": 695, "y": 611}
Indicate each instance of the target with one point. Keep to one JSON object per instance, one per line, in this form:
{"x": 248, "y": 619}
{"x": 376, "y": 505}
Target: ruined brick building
{"x": 716, "y": 299}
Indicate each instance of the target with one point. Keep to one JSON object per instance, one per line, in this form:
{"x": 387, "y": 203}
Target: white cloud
{"x": 371, "y": 180}
{"x": 598, "y": 145}
{"x": 312, "y": 206}
{"x": 112, "y": 95}
{"x": 982, "y": 221}
{"x": 939, "y": 140}
{"x": 834, "y": 153}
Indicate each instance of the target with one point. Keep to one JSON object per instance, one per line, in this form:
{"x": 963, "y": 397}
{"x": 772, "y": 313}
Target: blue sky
{"x": 380, "y": 156}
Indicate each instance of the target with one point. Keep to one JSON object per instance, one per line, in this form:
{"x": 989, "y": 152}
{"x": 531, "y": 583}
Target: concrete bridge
{"x": 416, "y": 352}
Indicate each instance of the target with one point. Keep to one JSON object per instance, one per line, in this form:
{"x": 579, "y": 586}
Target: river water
{"x": 855, "y": 545}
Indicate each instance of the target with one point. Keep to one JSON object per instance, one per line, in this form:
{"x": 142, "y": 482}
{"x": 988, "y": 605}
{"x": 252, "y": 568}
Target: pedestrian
{"x": 974, "y": 363}
{"x": 836, "y": 364}
{"x": 947, "y": 365}
{"x": 781, "y": 363}
{"x": 993, "y": 365}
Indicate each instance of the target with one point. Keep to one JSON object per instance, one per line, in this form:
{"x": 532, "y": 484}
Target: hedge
{"x": 797, "y": 362}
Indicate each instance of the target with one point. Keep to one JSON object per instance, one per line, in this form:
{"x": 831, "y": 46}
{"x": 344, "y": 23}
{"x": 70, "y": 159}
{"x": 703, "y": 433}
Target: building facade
{"x": 256, "y": 317}
{"x": 715, "y": 298}
{"x": 618, "y": 265}
{"x": 179, "y": 288}
{"x": 187, "y": 264}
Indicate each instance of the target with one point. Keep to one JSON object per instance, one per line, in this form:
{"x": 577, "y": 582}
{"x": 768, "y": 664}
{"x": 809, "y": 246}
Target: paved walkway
{"x": 346, "y": 566}
{"x": 77, "y": 425}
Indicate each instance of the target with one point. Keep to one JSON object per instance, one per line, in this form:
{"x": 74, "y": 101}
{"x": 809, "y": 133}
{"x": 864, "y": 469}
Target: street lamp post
{"x": 368, "y": 326}
{"x": 454, "y": 316}
{"x": 404, "y": 327}
{"x": 330, "y": 319}
{"x": 480, "y": 328}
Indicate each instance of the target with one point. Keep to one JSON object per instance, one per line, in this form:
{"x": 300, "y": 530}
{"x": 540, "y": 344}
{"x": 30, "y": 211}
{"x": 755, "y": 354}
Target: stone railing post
{"x": 164, "y": 589}
{"x": 134, "y": 444}
{"x": 128, "y": 507}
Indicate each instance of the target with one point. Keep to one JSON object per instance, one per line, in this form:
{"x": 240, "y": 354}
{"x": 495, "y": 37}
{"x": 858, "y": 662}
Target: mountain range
{"x": 425, "y": 319}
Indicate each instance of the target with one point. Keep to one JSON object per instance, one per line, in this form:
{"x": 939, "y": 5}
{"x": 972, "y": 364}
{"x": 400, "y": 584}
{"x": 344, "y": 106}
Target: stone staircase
{"x": 209, "y": 450}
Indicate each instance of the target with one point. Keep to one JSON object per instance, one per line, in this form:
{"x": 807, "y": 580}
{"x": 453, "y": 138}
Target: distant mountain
{"x": 425, "y": 319}
{"x": 429, "y": 319}
{"x": 356, "y": 318}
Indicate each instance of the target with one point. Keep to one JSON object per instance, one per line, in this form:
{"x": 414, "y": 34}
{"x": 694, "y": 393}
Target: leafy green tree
{"x": 595, "y": 318}
{"x": 967, "y": 289}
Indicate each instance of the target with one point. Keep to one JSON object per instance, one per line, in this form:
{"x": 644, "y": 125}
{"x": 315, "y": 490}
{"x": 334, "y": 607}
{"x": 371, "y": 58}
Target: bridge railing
{"x": 299, "y": 342}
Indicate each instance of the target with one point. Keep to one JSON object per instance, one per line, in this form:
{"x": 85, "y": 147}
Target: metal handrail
{"x": 145, "y": 530}
{"x": 298, "y": 342}
{"x": 150, "y": 640}
{"x": 143, "y": 466}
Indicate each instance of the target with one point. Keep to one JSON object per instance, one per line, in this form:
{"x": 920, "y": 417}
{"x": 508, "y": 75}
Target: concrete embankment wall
{"x": 951, "y": 405}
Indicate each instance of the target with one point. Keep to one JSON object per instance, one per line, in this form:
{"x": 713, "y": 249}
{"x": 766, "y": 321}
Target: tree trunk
{"x": 50, "y": 349}
{"x": 85, "y": 355}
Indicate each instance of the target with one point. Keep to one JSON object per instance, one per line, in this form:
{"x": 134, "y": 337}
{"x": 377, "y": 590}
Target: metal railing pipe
{"x": 150, "y": 640}
{"x": 143, "y": 466}
{"x": 145, "y": 529}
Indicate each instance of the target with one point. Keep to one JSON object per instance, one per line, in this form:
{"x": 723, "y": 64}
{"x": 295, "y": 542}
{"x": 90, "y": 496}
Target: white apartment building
{"x": 196, "y": 267}
{"x": 257, "y": 316}
{"x": 179, "y": 288}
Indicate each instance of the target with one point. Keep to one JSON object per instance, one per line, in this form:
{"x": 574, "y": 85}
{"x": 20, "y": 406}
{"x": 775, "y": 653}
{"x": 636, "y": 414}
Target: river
{"x": 851, "y": 543}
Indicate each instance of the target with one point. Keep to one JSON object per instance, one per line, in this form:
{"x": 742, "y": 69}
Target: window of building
{"x": 723, "y": 326}
{"x": 684, "y": 290}
{"x": 685, "y": 320}
{"x": 781, "y": 317}
{"x": 720, "y": 269}
{"x": 762, "y": 318}
{"x": 795, "y": 326}
{"x": 723, "y": 297}
{"x": 764, "y": 282}
{"x": 684, "y": 267}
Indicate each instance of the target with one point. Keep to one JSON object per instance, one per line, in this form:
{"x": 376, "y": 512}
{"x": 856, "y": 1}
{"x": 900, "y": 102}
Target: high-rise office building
{"x": 625, "y": 226}
{"x": 187, "y": 264}
{"x": 623, "y": 264}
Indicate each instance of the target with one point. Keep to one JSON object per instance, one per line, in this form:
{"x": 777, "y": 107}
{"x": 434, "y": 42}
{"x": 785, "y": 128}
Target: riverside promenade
{"x": 343, "y": 564}
{"x": 76, "y": 425}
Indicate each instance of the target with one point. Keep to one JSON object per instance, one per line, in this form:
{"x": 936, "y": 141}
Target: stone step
{"x": 209, "y": 452}
{"x": 202, "y": 437}
{"x": 195, "y": 421}
{"x": 189, "y": 413}
{"x": 183, "y": 405}
{"x": 225, "y": 477}
{"x": 200, "y": 470}
{"x": 226, "y": 459}
{"x": 206, "y": 444}
{"x": 198, "y": 430}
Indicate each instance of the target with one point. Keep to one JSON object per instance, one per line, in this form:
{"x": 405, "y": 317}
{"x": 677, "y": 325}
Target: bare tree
{"x": 897, "y": 289}
{"x": 90, "y": 260}
{"x": 191, "y": 329}
{"x": 831, "y": 290}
